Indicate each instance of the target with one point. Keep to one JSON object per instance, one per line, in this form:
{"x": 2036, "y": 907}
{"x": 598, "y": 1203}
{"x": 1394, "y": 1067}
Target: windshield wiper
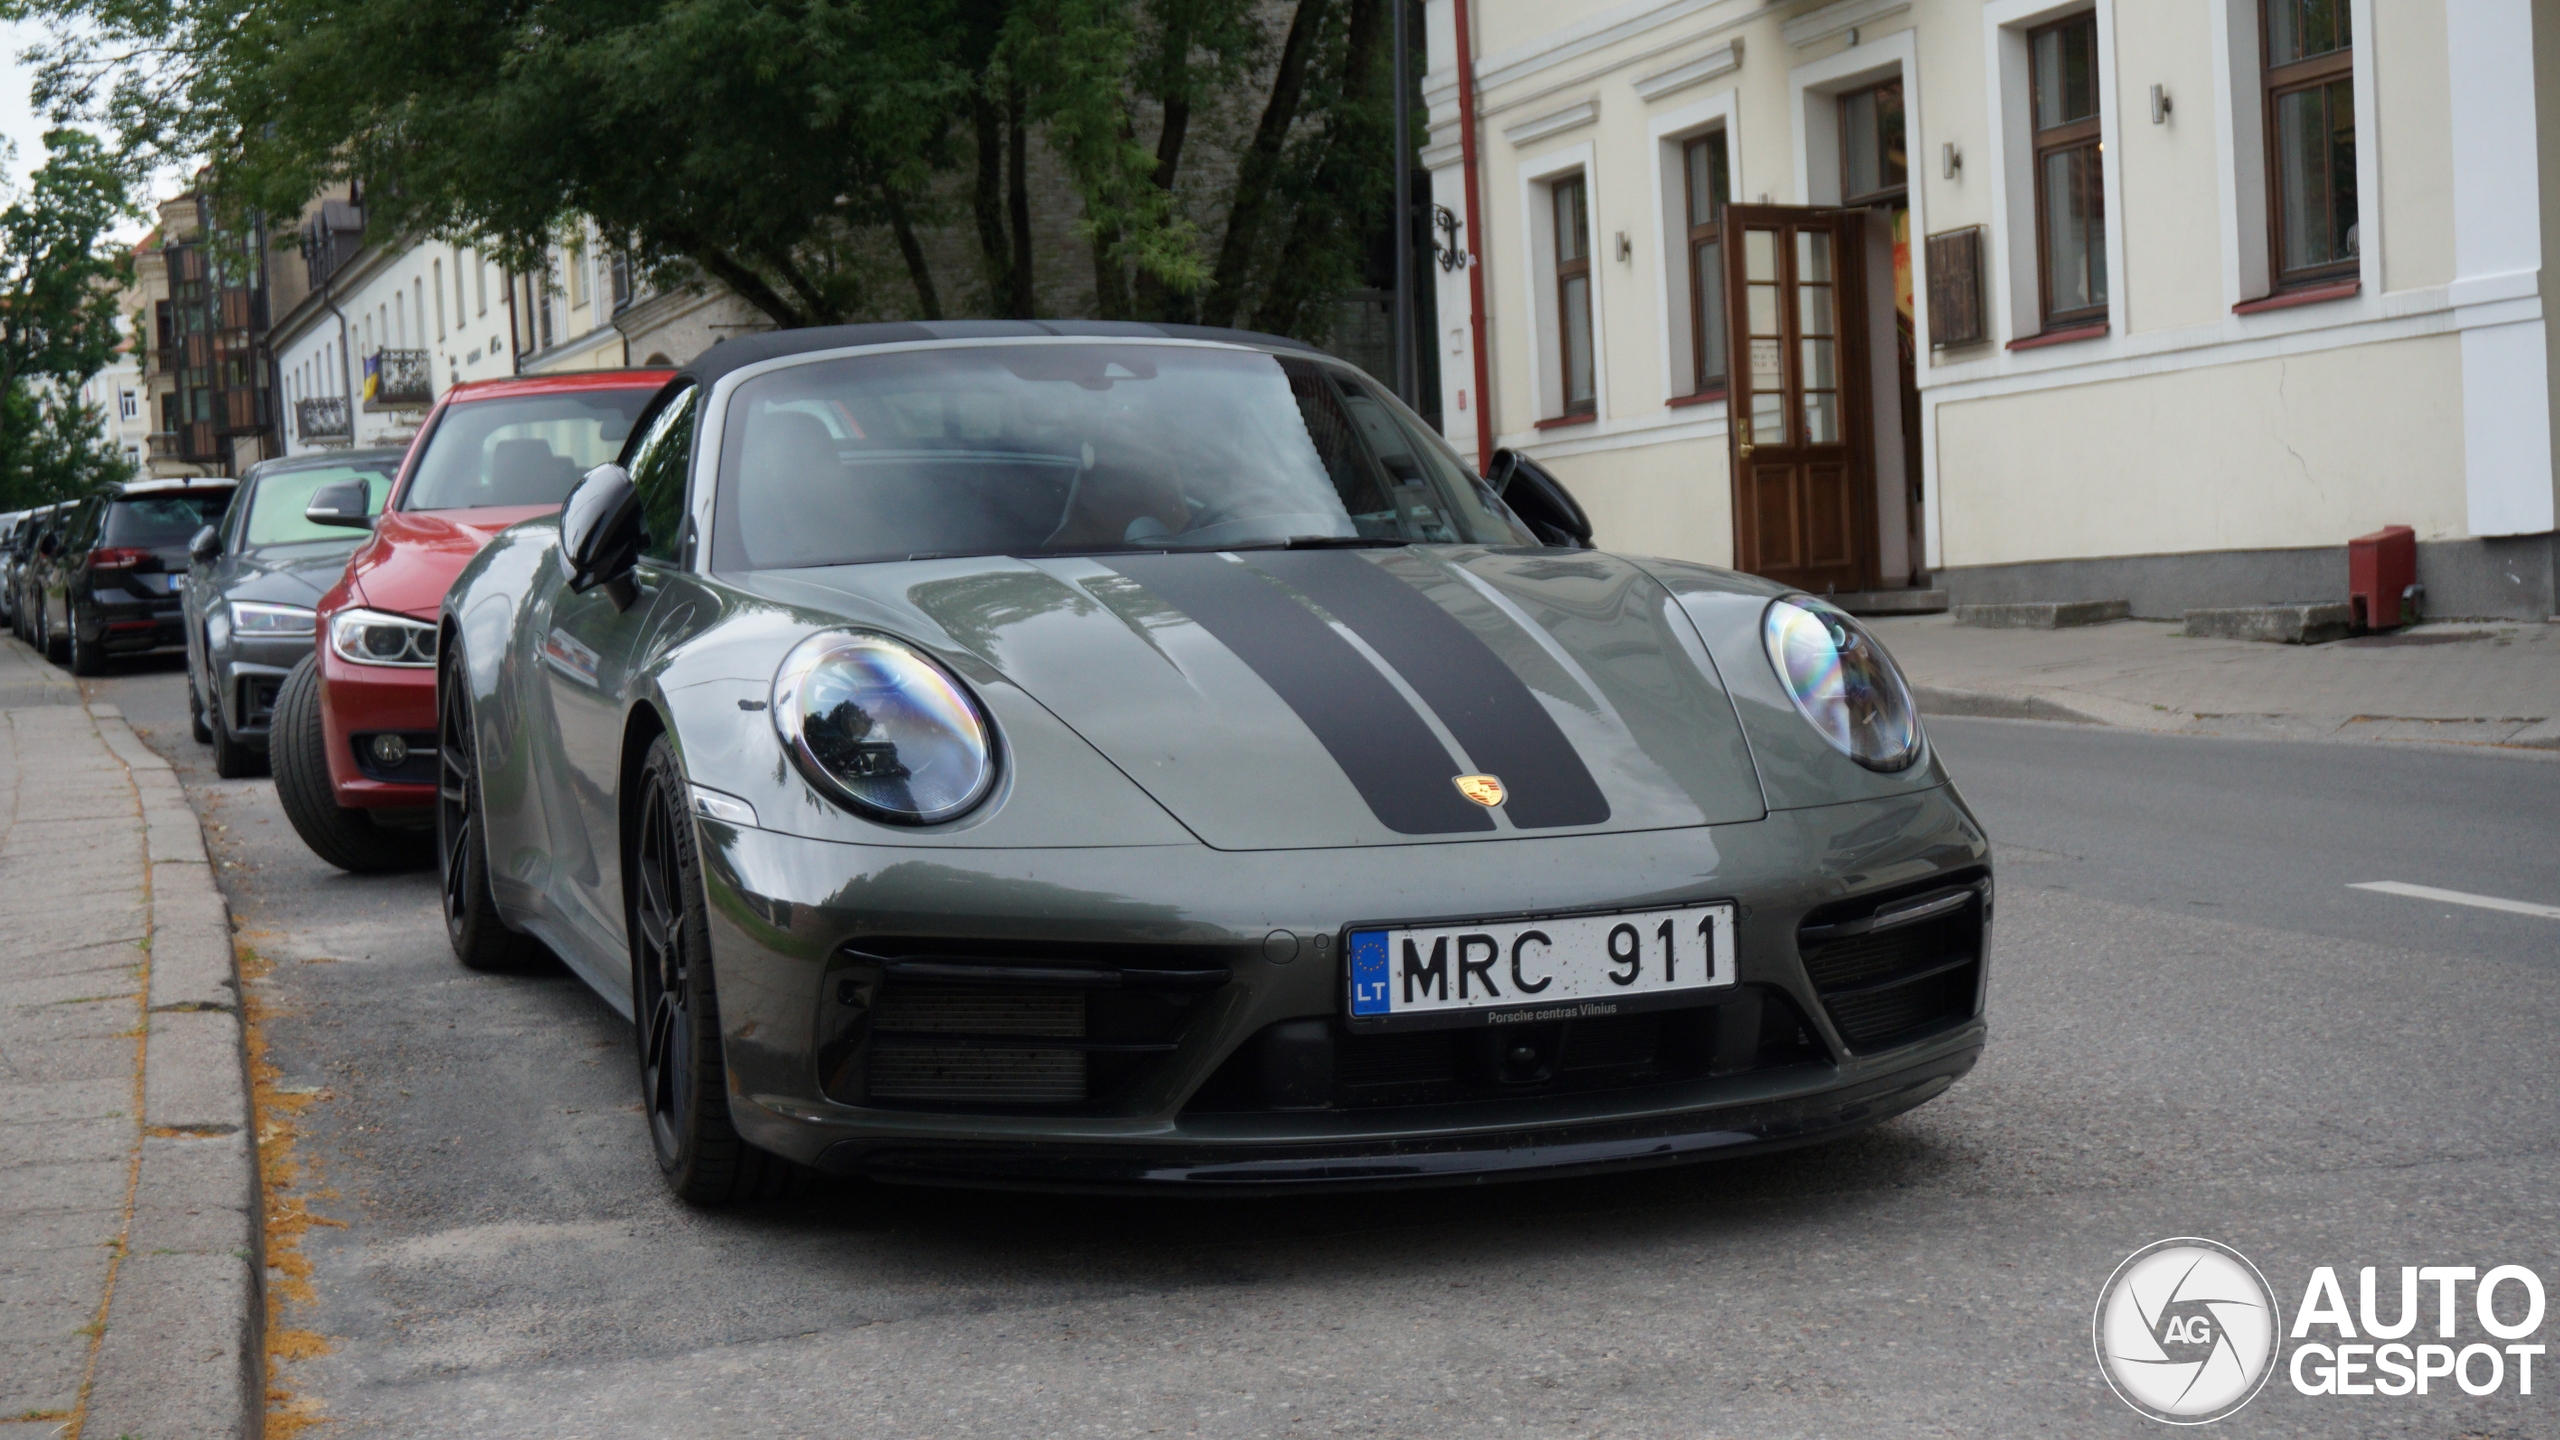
{"x": 1329, "y": 542}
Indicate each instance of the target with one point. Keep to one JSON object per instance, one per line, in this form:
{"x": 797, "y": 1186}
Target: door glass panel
{"x": 1764, "y": 309}
{"x": 1813, "y": 257}
{"x": 1821, "y": 418}
{"x": 1760, "y": 255}
{"x": 1813, "y": 310}
{"x": 2299, "y": 29}
{"x": 1768, "y": 417}
{"x": 1818, "y": 372}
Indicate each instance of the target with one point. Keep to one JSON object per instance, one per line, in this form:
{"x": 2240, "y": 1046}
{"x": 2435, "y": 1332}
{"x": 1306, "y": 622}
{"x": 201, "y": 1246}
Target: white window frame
{"x": 1671, "y": 133}
{"x": 2005, "y": 24}
{"x": 1538, "y": 176}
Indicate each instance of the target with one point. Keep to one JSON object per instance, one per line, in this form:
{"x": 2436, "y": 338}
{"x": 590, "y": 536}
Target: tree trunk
{"x": 1300, "y": 282}
{"x": 928, "y": 300}
{"x": 749, "y": 286}
{"x": 1260, "y": 166}
{"x": 1155, "y": 300}
{"x": 1019, "y": 144}
{"x": 995, "y": 248}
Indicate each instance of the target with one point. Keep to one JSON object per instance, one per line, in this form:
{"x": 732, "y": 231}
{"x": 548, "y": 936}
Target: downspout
{"x": 515, "y": 343}
{"x": 1475, "y": 238}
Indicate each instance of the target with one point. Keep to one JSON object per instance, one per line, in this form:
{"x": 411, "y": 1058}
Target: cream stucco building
{"x": 2018, "y": 299}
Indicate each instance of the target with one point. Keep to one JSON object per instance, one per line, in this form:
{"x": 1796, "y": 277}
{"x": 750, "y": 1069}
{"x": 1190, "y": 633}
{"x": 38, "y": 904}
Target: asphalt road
{"x": 2197, "y": 1030}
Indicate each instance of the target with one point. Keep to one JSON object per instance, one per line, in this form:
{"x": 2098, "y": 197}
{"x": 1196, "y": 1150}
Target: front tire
{"x": 298, "y": 748}
{"x": 684, "y": 1085}
{"x": 195, "y": 713}
{"x": 481, "y": 939}
{"x": 233, "y": 758}
{"x": 87, "y": 658}
{"x": 55, "y": 648}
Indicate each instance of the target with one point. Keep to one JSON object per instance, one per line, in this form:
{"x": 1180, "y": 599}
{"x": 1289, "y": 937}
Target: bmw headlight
{"x": 881, "y": 728}
{"x": 1842, "y": 682}
{"x": 377, "y": 637}
{"x": 258, "y": 620}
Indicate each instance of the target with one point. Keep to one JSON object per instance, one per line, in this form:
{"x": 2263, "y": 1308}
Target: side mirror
{"x": 1539, "y": 499}
{"x": 601, "y": 534}
{"x": 48, "y": 544}
{"x": 206, "y": 547}
{"x": 347, "y": 504}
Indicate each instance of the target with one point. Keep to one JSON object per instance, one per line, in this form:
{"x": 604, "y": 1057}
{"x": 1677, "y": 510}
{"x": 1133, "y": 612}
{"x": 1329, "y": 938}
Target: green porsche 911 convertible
{"x": 1120, "y": 756}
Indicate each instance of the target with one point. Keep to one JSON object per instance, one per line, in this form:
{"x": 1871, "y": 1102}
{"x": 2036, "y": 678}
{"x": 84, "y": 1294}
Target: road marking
{"x": 2456, "y": 897}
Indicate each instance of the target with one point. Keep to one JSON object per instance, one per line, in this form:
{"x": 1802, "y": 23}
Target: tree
{"x": 812, "y": 155}
{"x": 59, "y": 277}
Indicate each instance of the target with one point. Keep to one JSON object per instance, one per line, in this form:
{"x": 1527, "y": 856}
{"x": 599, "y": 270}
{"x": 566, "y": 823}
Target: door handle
{"x": 1742, "y": 448}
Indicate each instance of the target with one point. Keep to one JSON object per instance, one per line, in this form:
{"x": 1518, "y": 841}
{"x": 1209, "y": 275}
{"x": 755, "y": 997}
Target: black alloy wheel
{"x": 298, "y": 750}
{"x": 676, "y": 1009}
{"x": 481, "y": 939}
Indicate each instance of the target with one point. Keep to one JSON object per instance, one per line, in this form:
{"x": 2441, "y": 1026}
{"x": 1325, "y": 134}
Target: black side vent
{"x": 945, "y": 1025}
{"x": 1896, "y": 968}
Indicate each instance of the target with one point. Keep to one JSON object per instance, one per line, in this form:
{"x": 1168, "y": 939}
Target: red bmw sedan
{"x": 354, "y": 731}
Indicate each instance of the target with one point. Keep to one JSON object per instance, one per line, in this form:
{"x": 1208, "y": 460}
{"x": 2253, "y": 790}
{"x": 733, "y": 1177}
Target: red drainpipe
{"x": 1475, "y": 238}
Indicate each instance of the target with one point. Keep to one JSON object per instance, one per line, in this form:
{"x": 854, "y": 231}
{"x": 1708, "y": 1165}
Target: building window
{"x": 128, "y": 405}
{"x": 2311, "y": 140}
{"x": 1872, "y": 161}
{"x": 439, "y": 272}
{"x": 1708, "y": 186}
{"x": 480, "y": 286}
{"x": 1573, "y": 293}
{"x": 2071, "y": 206}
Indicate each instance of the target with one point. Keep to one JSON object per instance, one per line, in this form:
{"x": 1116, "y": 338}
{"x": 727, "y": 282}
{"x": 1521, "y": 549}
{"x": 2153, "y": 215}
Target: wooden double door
{"x": 1798, "y": 403}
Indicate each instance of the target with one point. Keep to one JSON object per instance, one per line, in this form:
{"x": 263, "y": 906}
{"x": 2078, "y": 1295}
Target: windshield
{"x": 276, "y": 506}
{"x": 1079, "y": 449}
{"x": 525, "y": 450}
{"x": 156, "y": 522}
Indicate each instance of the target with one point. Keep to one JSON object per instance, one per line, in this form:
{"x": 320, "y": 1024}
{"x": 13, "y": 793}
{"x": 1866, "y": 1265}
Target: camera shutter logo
{"x": 2186, "y": 1331}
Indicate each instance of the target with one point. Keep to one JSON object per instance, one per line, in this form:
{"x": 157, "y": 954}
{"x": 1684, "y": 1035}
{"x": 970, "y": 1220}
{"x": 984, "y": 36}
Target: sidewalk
{"x": 128, "y": 1218}
{"x": 2489, "y": 683}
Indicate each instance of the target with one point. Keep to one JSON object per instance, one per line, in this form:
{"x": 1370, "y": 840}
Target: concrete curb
{"x": 183, "y": 1353}
{"x": 1996, "y": 705}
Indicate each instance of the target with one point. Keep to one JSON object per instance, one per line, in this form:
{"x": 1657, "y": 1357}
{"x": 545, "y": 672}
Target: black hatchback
{"x": 115, "y": 578}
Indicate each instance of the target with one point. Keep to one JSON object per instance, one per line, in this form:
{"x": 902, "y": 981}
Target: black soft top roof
{"x": 747, "y": 350}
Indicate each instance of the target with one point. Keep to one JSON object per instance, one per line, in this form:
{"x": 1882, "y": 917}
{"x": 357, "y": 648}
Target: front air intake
{"x": 1897, "y": 968}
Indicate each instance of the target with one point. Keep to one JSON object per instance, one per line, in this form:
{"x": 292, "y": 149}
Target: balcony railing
{"x": 163, "y": 445}
{"x": 324, "y": 418}
{"x": 398, "y": 380}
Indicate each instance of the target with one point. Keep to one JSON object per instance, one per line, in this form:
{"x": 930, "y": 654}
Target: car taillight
{"x": 117, "y": 557}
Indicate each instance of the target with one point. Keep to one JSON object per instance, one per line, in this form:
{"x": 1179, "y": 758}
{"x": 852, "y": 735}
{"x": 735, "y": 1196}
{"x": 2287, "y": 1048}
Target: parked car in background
{"x": 253, "y": 590}
{"x": 1150, "y": 758}
{"x": 352, "y": 740}
{"x": 10, "y": 525}
{"x": 112, "y": 583}
{"x": 21, "y": 559}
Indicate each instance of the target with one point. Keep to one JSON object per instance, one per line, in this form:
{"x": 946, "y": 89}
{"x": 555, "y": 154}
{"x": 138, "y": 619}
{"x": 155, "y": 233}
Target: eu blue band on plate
{"x": 1369, "y": 973}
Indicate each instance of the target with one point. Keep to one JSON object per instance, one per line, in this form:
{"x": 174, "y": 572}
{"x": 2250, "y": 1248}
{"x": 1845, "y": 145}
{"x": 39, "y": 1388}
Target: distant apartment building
{"x": 202, "y": 295}
{"x": 2019, "y": 299}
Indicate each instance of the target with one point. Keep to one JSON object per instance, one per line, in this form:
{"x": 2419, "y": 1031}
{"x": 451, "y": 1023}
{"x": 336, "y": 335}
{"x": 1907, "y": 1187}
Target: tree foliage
{"x": 59, "y": 276}
{"x": 813, "y": 155}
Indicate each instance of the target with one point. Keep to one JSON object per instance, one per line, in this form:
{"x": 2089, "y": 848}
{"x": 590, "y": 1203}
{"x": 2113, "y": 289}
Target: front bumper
{"x": 367, "y": 699}
{"x": 792, "y": 922}
{"x": 247, "y": 676}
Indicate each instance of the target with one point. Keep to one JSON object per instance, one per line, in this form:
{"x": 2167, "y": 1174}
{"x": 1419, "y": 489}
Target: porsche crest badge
{"x": 1485, "y": 790}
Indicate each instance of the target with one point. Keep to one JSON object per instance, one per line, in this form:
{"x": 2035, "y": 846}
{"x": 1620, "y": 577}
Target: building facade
{"x": 2018, "y": 299}
{"x": 202, "y": 297}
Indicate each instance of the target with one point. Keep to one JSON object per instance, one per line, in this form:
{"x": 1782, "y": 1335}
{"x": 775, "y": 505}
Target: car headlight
{"x": 258, "y": 620}
{"x": 1842, "y": 682}
{"x": 376, "y": 637}
{"x": 882, "y": 729}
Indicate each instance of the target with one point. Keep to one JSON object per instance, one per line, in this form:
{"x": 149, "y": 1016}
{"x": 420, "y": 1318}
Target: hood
{"x": 414, "y": 554}
{"x": 288, "y": 574}
{"x": 1296, "y": 699}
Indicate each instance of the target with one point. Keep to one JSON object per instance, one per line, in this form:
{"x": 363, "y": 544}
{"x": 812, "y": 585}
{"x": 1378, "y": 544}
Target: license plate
{"x": 1503, "y": 972}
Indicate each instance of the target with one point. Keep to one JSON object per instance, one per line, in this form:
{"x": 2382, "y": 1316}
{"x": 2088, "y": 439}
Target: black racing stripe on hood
{"x": 1501, "y": 726}
{"x": 1386, "y": 751}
